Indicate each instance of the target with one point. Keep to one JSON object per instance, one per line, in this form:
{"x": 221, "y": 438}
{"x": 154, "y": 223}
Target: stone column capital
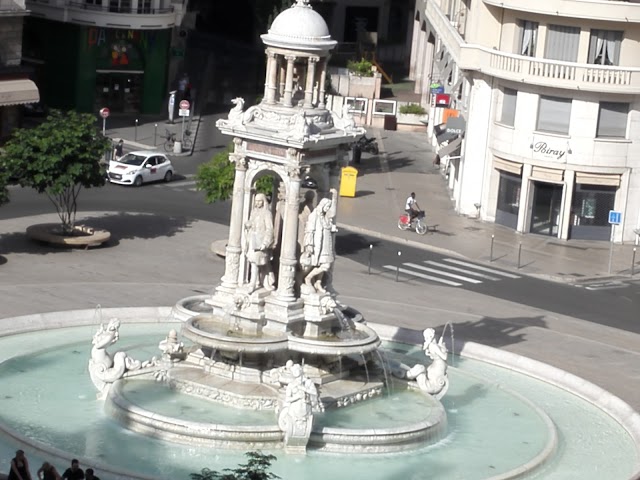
{"x": 239, "y": 160}
{"x": 314, "y": 60}
{"x": 290, "y": 58}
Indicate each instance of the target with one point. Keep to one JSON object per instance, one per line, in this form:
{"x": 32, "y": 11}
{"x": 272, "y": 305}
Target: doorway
{"x": 545, "y": 212}
{"x": 120, "y": 91}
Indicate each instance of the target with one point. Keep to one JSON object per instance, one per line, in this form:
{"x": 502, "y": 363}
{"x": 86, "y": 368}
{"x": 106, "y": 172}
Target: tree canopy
{"x": 256, "y": 468}
{"x": 59, "y": 157}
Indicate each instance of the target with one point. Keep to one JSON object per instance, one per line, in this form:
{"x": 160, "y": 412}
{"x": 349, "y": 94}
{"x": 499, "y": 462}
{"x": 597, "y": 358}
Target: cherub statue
{"x": 432, "y": 379}
{"x": 171, "y": 347}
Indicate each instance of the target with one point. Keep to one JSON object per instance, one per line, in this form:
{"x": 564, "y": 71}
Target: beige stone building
{"x": 549, "y": 91}
{"x": 15, "y": 88}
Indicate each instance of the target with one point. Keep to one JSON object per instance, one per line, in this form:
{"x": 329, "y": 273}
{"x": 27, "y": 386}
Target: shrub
{"x": 412, "y": 108}
{"x": 363, "y": 68}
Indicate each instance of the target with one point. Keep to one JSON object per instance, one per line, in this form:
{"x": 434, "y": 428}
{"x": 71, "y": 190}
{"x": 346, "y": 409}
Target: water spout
{"x": 444, "y": 330}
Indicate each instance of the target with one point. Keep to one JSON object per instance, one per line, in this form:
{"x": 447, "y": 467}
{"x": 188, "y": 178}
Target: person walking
{"x": 118, "y": 151}
{"x": 19, "y": 467}
{"x": 48, "y": 472}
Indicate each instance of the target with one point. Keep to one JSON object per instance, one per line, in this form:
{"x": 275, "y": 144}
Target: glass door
{"x": 545, "y": 211}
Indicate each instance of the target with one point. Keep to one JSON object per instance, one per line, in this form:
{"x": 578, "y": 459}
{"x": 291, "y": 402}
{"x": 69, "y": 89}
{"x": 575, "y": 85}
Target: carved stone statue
{"x": 259, "y": 244}
{"x": 345, "y": 121}
{"x": 319, "y": 251}
{"x": 301, "y": 128}
{"x": 171, "y": 347}
{"x": 235, "y": 114}
{"x": 432, "y": 379}
{"x": 105, "y": 369}
{"x": 295, "y": 417}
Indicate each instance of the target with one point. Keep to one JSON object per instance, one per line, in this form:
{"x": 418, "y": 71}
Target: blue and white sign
{"x": 615, "y": 218}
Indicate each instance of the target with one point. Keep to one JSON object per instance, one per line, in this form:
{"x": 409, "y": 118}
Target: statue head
{"x": 260, "y": 200}
{"x": 324, "y": 205}
{"x": 428, "y": 334}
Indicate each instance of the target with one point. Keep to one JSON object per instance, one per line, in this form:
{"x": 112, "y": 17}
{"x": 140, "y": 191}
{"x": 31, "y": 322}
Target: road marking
{"x": 440, "y": 272}
{"x": 421, "y": 275}
{"x": 605, "y": 285}
{"x": 462, "y": 270}
{"x": 478, "y": 267}
{"x": 181, "y": 183}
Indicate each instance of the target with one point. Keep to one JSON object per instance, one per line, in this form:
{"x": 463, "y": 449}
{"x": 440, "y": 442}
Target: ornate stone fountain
{"x": 275, "y": 336}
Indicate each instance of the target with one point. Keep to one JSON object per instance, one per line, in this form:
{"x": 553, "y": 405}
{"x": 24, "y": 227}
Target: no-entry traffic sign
{"x": 104, "y": 112}
{"x": 184, "y": 105}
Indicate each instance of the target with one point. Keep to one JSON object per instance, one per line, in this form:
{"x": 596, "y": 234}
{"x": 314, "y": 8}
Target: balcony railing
{"x": 537, "y": 71}
{"x": 610, "y": 10}
{"x": 120, "y": 9}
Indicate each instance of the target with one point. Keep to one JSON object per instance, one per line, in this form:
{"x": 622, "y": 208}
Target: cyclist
{"x": 411, "y": 207}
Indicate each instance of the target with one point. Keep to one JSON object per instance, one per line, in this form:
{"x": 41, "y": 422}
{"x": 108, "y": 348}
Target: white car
{"x": 136, "y": 168}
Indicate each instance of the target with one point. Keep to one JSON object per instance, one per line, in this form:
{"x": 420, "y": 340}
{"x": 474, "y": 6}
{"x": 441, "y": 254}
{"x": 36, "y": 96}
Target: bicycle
{"x": 170, "y": 141}
{"x": 418, "y": 224}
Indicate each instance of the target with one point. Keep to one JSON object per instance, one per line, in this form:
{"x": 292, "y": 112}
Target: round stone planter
{"x": 83, "y": 237}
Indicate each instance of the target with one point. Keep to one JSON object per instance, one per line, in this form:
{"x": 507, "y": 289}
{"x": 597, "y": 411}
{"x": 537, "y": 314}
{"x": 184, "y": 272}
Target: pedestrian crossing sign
{"x": 615, "y": 218}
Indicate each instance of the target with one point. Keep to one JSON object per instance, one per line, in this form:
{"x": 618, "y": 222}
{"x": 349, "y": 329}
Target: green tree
{"x": 256, "y": 468}
{"x": 59, "y": 157}
{"x": 4, "y": 181}
{"x": 215, "y": 178}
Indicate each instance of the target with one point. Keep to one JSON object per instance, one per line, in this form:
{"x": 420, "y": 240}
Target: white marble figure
{"x": 259, "y": 242}
{"x": 345, "y": 121}
{"x": 104, "y": 368}
{"x": 432, "y": 379}
{"x": 319, "y": 251}
{"x": 301, "y": 128}
{"x": 295, "y": 417}
{"x": 235, "y": 114}
{"x": 171, "y": 348}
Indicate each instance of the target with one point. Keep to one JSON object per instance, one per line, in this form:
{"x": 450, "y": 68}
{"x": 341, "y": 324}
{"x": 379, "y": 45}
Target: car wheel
{"x": 138, "y": 181}
{"x": 168, "y": 176}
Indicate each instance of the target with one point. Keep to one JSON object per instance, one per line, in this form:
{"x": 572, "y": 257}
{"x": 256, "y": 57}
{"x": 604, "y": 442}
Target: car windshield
{"x": 132, "y": 159}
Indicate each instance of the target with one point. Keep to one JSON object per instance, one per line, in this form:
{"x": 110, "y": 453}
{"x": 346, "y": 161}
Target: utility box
{"x": 390, "y": 122}
{"x": 348, "y": 182}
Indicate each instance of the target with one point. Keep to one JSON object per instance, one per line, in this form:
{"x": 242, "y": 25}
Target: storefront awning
{"x": 18, "y": 92}
{"x": 450, "y": 147}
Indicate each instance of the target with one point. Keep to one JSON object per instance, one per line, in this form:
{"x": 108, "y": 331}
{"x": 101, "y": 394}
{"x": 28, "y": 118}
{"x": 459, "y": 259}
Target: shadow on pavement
{"x": 350, "y": 243}
{"x": 121, "y": 226}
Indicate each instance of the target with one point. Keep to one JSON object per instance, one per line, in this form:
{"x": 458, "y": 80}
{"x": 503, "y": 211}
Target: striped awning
{"x": 18, "y": 92}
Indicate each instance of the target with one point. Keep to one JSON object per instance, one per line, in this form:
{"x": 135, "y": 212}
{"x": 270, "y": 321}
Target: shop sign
{"x": 456, "y": 125}
{"x": 436, "y": 88}
{"x": 443, "y": 99}
{"x": 542, "y": 149}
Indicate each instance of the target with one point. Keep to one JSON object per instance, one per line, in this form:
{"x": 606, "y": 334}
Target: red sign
{"x": 184, "y": 105}
{"x": 104, "y": 112}
{"x": 443, "y": 99}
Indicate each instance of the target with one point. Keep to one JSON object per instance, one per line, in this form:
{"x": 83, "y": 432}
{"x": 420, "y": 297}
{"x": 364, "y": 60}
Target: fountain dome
{"x": 301, "y": 28}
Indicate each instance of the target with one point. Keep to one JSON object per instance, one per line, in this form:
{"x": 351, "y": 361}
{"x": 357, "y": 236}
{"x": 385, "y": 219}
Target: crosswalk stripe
{"x": 181, "y": 183}
{"x": 421, "y": 275}
{"x": 440, "y": 272}
{"x": 478, "y": 267}
{"x": 456, "y": 269}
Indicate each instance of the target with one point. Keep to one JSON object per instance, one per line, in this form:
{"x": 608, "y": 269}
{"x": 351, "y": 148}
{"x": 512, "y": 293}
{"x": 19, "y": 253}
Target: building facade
{"x": 106, "y": 53}
{"x": 549, "y": 95}
{"x": 15, "y": 87}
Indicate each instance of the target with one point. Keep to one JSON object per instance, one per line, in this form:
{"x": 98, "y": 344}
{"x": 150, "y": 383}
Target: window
{"x": 612, "y": 120}
{"x": 144, "y": 6}
{"x": 604, "y": 47}
{"x": 554, "y": 115}
{"x": 528, "y": 37}
{"x": 562, "y": 43}
{"x": 509, "y": 100}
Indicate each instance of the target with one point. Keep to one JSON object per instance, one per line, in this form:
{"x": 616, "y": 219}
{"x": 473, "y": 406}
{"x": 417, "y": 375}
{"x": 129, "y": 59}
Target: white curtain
{"x": 529, "y": 38}
{"x": 554, "y": 115}
{"x": 562, "y": 43}
{"x": 604, "y": 47}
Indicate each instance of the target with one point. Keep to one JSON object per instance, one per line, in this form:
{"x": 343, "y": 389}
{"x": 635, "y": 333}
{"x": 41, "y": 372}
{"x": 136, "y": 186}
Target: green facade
{"x": 68, "y": 57}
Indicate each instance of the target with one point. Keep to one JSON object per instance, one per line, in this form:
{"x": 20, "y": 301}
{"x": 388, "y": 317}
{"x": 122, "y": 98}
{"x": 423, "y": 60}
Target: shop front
{"x": 88, "y": 68}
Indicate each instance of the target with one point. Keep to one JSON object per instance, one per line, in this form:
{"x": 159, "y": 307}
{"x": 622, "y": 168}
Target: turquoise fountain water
{"x": 499, "y": 422}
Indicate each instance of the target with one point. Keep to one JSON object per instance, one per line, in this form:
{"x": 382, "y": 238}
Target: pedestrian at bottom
{"x": 88, "y": 475}
{"x": 19, "y": 467}
{"x": 74, "y": 472}
{"x": 48, "y": 472}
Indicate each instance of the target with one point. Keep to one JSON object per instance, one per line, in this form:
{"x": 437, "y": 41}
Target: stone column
{"x": 289, "y": 251}
{"x": 288, "y": 82}
{"x": 272, "y": 78}
{"x": 234, "y": 244}
{"x": 323, "y": 80}
{"x": 311, "y": 79}
{"x": 282, "y": 72}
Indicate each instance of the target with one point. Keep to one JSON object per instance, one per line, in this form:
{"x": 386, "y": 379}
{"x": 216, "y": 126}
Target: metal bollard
{"x": 491, "y": 252}
{"x": 370, "y": 254}
{"x": 398, "y": 266}
{"x": 155, "y": 134}
{"x": 519, "y": 254}
{"x": 135, "y": 134}
{"x": 633, "y": 262}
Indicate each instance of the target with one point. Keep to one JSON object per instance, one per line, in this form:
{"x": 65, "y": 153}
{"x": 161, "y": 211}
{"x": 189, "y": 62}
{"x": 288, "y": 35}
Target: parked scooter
{"x": 368, "y": 145}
